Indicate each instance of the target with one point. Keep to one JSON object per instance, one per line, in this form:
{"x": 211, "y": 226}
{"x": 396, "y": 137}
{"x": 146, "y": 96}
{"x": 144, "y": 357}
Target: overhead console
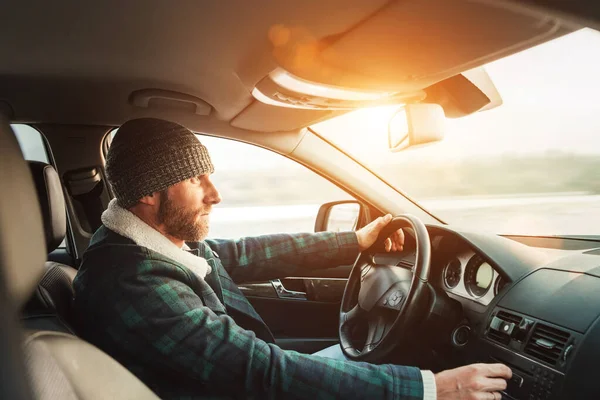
{"x": 402, "y": 52}
{"x": 546, "y": 329}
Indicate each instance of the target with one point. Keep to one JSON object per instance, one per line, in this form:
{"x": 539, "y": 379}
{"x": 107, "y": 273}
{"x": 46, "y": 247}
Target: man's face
{"x": 184, "y": 208}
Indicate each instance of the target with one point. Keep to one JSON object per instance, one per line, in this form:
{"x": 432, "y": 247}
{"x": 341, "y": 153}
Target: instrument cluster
{"x": 470, "y": 275}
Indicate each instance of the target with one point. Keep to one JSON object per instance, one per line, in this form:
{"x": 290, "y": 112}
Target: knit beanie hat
{"x": 148, "y": 155}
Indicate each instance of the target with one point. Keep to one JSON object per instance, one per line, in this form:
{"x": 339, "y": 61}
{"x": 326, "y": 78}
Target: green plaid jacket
{"x": 177, "y": 332}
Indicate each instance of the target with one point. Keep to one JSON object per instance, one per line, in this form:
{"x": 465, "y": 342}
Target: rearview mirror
{"x": 416, "y": 124}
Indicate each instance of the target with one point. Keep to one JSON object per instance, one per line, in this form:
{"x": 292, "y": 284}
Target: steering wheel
{"x": 389, "y": 299}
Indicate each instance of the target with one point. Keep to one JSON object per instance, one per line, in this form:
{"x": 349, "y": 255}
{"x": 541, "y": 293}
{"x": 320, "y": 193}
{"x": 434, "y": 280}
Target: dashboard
{"x": 534, "y": 309}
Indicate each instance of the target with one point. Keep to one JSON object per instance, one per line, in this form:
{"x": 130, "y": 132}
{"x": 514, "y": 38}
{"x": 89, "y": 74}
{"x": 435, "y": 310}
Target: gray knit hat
{"x": 148, "y": 155}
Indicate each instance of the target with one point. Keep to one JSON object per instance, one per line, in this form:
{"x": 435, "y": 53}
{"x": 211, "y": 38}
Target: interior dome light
{"x": 298, "y": 85}
{"x": 281, "y": 100}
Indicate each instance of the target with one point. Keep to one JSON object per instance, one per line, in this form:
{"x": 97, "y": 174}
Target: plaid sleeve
{"x": 176, "y": 332}
{"x": 271, "y": 256}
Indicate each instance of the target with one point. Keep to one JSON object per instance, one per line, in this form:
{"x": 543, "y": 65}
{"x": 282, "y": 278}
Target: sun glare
{"x": 527, "y": 166}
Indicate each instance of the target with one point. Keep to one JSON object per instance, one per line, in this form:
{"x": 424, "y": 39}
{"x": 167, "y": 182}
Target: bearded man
{"x": 161, "y": 298}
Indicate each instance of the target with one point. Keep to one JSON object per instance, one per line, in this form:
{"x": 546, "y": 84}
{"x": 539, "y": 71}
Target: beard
{"x": 180, "y": 222}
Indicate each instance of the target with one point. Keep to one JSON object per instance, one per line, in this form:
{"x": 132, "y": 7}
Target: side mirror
{"x": 416, "y": 124}
{"x": 338, "y": 216}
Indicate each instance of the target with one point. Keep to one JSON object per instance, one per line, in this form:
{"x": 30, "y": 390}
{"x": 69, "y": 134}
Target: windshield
{"x": 530, "y": 166}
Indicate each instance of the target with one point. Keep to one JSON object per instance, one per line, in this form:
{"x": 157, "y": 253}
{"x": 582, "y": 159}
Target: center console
{"x": 537, "y": 352}
{"x": 546, "y": 329}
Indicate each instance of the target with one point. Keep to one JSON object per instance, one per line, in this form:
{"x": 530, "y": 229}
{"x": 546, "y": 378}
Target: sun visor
{"x": 408, "y": 46}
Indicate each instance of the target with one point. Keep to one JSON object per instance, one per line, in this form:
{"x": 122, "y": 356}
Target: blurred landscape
{"x": 546, "y": 173}
{"x": 545, "y": 194}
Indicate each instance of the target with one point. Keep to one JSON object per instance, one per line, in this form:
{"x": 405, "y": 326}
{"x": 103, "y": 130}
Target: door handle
{"x": 283, "y": 293}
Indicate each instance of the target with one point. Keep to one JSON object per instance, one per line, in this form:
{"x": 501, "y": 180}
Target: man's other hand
{"x": 473, "y": 382}
{"x": 367, "y": 235}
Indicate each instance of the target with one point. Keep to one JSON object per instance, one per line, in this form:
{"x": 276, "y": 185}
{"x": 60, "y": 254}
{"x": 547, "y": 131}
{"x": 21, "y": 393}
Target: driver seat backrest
{"x": 50, "y": 306}
{"x": 58, "y": 365}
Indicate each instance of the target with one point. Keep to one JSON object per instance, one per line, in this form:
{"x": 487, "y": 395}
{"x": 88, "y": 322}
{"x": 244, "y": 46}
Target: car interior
{"x": 74, "y": 72}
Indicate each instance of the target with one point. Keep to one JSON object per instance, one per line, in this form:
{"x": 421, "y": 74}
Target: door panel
{"x": 302, "y": 312}
{"x": 325, "y": 290}
{"x": 298, "y": 318}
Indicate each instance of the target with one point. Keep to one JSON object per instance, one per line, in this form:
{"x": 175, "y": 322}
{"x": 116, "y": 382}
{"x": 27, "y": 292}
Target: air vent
{"x": 509, "y": 317}
{"x": 500, "y": 336}
{"x": 546, "y": 343}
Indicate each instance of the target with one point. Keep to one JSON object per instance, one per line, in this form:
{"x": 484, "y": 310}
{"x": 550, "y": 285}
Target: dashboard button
{"x": 516, "y": 380}
{"x": 394, "y": 301}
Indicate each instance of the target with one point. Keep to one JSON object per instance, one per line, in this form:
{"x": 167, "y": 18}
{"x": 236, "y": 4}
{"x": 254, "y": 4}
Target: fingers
{"x": 496, "y": 396}
{"x": 489, "y": 396}
{"x": 498, "y": 371}
{"x": 400, "y": 234}
{"x": 396, "y": 240}
{"x": 494, "y": 385}
{"x": 388, "y": 245}
{"x": 475, "y": 381}
{"x": 383, "y": 221}
{"x": 393, "y": 243}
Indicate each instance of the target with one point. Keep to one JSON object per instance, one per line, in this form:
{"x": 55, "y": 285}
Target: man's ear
{"x": 150, "y": 200}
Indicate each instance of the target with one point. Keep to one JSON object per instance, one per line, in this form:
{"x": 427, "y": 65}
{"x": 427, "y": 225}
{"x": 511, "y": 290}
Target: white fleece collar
{"x": 127, "y": 224}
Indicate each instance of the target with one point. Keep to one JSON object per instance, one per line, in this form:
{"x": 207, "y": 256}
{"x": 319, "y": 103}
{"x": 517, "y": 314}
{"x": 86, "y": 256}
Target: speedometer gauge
{"x": 452, "y": 274}
{"x": 478, "y": 276}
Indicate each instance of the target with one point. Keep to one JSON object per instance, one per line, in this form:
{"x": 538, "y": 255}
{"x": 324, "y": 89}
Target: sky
{"x": 550, "y": 94}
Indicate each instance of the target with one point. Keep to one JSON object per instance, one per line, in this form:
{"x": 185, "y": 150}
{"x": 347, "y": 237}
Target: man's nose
{"x": 213, "y": 196}
{"x": 217, "y": 197}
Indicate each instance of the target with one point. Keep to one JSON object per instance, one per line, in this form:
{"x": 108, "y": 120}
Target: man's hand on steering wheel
{"x": 367, "y": 235}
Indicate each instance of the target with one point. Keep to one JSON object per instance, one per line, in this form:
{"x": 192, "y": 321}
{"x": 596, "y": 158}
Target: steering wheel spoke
{"x": 378, "y": 325}
{"x": 353, "y": 316}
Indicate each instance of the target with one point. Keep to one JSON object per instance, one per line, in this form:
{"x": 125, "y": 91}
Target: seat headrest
{"x": 22, "y": 245}
{"x": 52, "y": 202}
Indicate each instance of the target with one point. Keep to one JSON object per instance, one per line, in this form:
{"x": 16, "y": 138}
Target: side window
{"x": 264, "y": 192}
{"x": 31, "y": 142}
